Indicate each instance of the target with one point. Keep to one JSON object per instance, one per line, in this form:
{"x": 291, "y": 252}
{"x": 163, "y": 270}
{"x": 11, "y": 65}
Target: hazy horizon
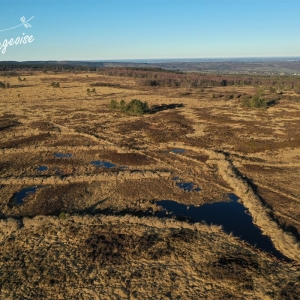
{"x": 162, "y": 60}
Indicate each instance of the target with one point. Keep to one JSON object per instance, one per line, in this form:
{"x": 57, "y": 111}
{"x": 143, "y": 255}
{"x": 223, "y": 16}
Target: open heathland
{"x": 80, "y": 178}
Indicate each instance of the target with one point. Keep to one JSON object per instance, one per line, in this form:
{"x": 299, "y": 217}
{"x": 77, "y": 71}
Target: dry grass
{"x": 253, "y": 153}
{"x": 132, "y": 258}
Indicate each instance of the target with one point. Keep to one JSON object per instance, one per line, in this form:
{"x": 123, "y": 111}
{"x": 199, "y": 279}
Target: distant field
{"x": 91, "y": 228}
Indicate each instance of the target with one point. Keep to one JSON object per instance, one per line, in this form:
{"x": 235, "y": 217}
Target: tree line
{"x": 164, "y": 78}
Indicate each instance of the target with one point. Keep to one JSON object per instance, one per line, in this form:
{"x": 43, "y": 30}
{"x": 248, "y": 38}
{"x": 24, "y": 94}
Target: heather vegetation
{"x": 84, "y": 177}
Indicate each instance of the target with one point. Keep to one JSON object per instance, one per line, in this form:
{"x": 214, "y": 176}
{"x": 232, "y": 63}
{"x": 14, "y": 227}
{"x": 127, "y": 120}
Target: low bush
{"x": 89, "y": 91}
{"x": 55, "y": 84}
{"x": 254, "y": 102}
{"x": 113, "y": 105}
{"x": 62, "y": 216}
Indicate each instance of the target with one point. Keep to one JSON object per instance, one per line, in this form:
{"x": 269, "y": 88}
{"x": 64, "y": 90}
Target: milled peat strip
{"x": 73, "y": 149}
{"x": 283, "y": 241}
{"x": 124, "y": 175}
{"x": 278, "y": 192}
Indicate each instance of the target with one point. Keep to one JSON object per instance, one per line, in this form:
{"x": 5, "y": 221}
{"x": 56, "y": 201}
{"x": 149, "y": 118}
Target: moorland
{"x": 81, "y": 177}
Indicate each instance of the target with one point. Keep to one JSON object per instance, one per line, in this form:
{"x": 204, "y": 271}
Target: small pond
{"x": 63, "y": 155}
{"x": 177, "y": 150}
{"x": 186, "y": 186}
{"x": 42, "y": 168}
{"x": 103, "y": 163}
{"x": 19, "y": 197}
{"x": 232, "y": 215}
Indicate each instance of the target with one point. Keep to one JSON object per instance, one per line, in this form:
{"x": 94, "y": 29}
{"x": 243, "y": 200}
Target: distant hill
{"x": 265, "y": 66}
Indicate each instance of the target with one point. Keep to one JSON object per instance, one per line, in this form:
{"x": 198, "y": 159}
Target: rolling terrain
{"x": 89, "y": 227}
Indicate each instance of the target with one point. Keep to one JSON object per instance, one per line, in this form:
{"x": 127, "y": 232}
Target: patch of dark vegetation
{"x": 55, "y": 84}
{"x": 51, "y": 79}
{"x": 200, "y": 157}
{"x": 291, "y": 291}
{"x": 113, "y": 248}
{"x": 262, "y": 169}
{"x": 240, "y": 138}
{"x": 80, "y": 116}
{"x": 34, "y": 139}
{"x": 253, "y": 146}
{"x": 91, "y": 91}
{"x": 107, "y": 84}
{"x": 156, "y": 108}
{"x": 249, "y": 262}
{"x": 135, "y": 159}
{"x": 184, "y": 234}
{"x": 237, "y": 269}
{"x": 44, "y": 126}
{"x": 7, "y": 124}
{"x": 73, "y": 140}
{"x": 168, "y": 126}
{"x": 21, "y": 85}
{"x": 52, "y": 200}
{"x": 20, "y": 79}
{"x": 137, "y": 124}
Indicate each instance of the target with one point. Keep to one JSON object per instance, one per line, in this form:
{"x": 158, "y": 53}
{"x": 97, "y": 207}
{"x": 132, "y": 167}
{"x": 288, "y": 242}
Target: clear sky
{"x": 140, "y": 29}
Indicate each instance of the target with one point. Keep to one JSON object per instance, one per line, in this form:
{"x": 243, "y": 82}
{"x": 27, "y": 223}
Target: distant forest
{"x": 155, "y": 76}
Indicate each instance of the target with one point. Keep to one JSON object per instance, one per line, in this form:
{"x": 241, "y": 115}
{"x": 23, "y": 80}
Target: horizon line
{"x": 158, "y": 59}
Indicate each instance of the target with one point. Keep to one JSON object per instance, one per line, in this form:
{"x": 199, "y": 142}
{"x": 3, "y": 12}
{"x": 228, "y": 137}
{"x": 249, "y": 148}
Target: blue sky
{"x": 140, "y": 29}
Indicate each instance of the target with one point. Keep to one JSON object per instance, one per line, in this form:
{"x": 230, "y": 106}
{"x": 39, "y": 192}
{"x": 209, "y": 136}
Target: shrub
{"x": 122, "y": 105}
{"x": 62, "y": 216}
{"x": 257, "y": 102}
{"x": 229, "y": 97}
{"x": 254, "y": 102}
{"x": 89, "y": 91}
{"x": 55, "y": 84}
{"x": 113, "y": 105}
{"x": 134, "y": 107}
